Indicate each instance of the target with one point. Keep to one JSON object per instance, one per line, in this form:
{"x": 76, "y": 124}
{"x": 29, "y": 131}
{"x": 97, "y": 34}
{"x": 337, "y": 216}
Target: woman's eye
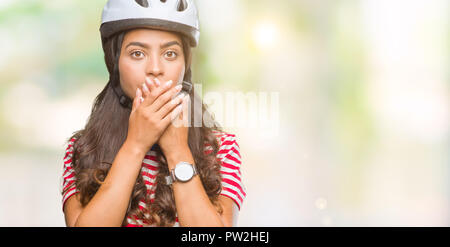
{"x": 171, "y": 54}
{"x": 137, "y": 54}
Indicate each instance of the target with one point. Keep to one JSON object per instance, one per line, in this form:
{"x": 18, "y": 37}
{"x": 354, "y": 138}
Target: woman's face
{"x": 152, "y": 53}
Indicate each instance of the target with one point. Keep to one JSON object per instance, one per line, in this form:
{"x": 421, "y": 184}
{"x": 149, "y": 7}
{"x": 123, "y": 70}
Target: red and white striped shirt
{"x": 230, "y": 170}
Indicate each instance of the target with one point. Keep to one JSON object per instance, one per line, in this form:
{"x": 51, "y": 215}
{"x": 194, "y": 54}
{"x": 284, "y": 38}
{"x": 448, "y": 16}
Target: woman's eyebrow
{"x": 137, "y": 44}
{"x": 170, "y": 44}
{"x": 161, "y": 46}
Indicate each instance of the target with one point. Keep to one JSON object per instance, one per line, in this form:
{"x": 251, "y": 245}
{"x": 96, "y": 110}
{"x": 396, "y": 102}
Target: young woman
{"x": 132, "y": 165}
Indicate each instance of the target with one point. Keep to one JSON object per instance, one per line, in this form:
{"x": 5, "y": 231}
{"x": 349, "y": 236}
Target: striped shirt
{"x": 230, "y": 170}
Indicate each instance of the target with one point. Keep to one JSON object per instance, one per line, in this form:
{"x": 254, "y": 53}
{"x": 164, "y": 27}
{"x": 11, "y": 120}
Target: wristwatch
{"x": 183, "y": 172}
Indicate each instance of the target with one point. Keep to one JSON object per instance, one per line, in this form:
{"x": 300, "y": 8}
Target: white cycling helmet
{"x": 169, "y": 15}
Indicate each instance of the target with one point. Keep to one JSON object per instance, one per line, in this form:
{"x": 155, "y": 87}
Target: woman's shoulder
{"x": 69, "y": 146}
{"x": 69, "y": 149}
{"x": 224, "y": 138}
{"x": 228, "y": 146}
{"x": 71, "y": 141}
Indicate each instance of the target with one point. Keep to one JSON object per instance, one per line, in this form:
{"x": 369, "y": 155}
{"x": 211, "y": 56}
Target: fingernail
{"x": 149, "y": 82}
{"x": 168, "y": 83}
{"x": 157, "y": 82}
{"x": 144, "y": 86}
{"x": 178, "y": 87}
{"x": 142, "y": 99}
{"x": 138, "y": 92}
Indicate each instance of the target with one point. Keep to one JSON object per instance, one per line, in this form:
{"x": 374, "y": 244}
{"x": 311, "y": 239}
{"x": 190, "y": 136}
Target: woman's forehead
{"x": 151, "y": 36}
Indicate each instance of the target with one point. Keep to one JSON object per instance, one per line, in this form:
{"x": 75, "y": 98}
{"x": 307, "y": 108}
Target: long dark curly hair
{"x": 97, "y": 144}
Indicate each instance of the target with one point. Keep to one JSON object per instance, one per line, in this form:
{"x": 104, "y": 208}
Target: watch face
{"x": 184, "y": 172}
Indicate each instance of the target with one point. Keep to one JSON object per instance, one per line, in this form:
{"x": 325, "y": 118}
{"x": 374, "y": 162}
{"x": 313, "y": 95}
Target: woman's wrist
{"x": 134, "y": 148}
{"x": 177, "y": 155}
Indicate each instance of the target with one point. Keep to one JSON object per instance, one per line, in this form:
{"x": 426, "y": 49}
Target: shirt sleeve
{"x": 230, "y": 170}
{"x": 68, "y": 178}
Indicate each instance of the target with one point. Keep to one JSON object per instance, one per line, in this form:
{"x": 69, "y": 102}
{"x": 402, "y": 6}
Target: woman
{"x": 132, "y": 165}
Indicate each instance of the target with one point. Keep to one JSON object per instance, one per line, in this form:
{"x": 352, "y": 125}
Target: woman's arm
{"x": 109, "y": 205}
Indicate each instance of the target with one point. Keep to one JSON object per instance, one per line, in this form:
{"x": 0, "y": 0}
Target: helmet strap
{"x": 124, "y": 100}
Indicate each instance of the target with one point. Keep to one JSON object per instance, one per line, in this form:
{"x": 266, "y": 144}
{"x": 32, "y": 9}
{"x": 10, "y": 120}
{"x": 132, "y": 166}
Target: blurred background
{"x": 361, "y": 114}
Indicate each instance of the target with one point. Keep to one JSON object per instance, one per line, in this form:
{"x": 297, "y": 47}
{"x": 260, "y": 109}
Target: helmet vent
{"x": 163, "y": 1}
{"x": 182, "y": 5}
{"x": 143, "y": 3}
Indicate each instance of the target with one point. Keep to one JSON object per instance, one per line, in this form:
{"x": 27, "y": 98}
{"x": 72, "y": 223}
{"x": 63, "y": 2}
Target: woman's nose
{"x": 154, "y": 67}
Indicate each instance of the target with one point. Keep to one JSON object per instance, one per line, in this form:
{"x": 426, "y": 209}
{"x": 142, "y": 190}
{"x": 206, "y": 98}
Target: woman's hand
{"x": 151, "y": 113}
{"x": 174, "y": 140}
